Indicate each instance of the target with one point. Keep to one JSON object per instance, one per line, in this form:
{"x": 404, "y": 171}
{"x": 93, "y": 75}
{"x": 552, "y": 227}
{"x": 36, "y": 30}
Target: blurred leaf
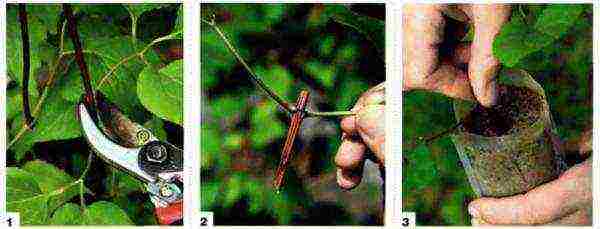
{"x": 266, "y": 126}
{"x": 325, "y": 74}
{"x": 162, "y": 92}
{"x": 372, "y": 28}
{"x": 277, "y": 78}
{"x": 234, "y": 190}
{"x": 209, "y": 195}
{"x": 556, "y": 19}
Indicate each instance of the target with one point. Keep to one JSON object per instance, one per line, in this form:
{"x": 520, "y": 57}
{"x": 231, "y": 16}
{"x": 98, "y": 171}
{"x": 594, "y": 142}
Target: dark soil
{"x": 516, "y": 108}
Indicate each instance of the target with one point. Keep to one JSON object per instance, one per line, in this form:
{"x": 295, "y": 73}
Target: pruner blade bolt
{"x": 158, "y": 164}
{"x": 286, "y": 153}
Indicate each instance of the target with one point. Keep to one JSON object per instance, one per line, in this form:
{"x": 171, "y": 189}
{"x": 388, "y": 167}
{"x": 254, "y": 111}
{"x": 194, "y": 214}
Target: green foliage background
{"x": 46, "y": 183}
{"x": 551, "y": 42}
{"x": 336, "y": 53}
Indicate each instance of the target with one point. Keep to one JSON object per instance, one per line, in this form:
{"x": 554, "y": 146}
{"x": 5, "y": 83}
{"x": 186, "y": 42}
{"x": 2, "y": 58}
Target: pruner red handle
{"x": 170, "y": 215}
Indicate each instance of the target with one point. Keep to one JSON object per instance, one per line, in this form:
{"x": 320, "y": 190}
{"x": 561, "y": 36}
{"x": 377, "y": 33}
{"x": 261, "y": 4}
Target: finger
{"x": 451, "y": 82}
{"x": 370, "y": 123}
{"x": 487, "y": 20}
{"x": 349, "y": 179}
{"x": 348, "y": 125}
{"x": 544, "y": 204}
{"x": 351, "y": 153}
{"x": 423, "y": 26}
{"x": 579, "y": 218}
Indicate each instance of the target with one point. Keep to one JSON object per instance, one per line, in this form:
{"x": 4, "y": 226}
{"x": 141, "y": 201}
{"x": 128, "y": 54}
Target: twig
{"x": 81, "y": 180}
{"x": 139, "y": 54}
{"x": 429, "y": 140}
{"x": 85, "y": 74}
{"x": 26, "y": 66}
{"x": 272, "y": 94}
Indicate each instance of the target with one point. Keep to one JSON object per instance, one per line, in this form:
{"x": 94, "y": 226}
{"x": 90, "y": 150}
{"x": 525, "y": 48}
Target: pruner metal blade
{"x": 115, "y": 154}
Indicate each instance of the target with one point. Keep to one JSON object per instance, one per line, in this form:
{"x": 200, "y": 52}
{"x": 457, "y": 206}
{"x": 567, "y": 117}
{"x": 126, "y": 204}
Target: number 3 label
{"x": 407, "y": 220}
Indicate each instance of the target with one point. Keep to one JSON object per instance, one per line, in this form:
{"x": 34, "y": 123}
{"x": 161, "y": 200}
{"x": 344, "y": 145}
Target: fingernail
{"x": 474, "y": 212}
{"x": 477, "y": 222}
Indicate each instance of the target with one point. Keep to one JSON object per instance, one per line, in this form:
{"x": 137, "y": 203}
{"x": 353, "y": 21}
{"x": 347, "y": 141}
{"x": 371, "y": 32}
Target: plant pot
{"x": 512, "y": 147}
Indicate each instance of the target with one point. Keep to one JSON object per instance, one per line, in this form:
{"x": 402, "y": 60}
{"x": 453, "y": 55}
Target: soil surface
{"x": 516, "y": 108}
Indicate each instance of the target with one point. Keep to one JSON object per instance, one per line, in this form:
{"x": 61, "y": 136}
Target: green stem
{"x": 330, "y": 113}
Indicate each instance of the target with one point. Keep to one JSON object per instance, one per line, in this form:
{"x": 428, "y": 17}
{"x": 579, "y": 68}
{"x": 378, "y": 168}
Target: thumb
{"x": 544, "y": 204}
{"x": 370, "y": 122}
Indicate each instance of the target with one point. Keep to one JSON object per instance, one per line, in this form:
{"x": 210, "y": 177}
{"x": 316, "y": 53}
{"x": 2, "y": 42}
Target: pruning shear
{"x": 139, "y": 153}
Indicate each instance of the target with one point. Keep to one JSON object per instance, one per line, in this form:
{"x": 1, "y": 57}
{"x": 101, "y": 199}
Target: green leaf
{"x": 14, "y": 103}
{"x": 162, "y": 92}
{"x": 68, "y": 214}
{"x": 420, "y": 170}
{"x": 105, "y": 213}
{"x": 103, "y": 54}
{"x": 556, "y": 19}
{"x": 156, "y": 126}
{"x": 34, "y": 195}
{"x": 516, "y": 40}
{"x": 40, "y": 22}
{"x": 56, "y": 121}
{"x": 140, "y": 8}
{"x": 99, "y": 213}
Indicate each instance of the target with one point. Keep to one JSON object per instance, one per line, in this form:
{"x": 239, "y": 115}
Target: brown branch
{"x": 85, "y": 74}
{"x": 26, "y": 66}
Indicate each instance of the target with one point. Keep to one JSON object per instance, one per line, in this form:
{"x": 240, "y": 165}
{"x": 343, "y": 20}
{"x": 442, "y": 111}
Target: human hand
{"x": 363, "y": 137}
{"x": 564, "y": 201}
{"x": 423, "y": 32}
